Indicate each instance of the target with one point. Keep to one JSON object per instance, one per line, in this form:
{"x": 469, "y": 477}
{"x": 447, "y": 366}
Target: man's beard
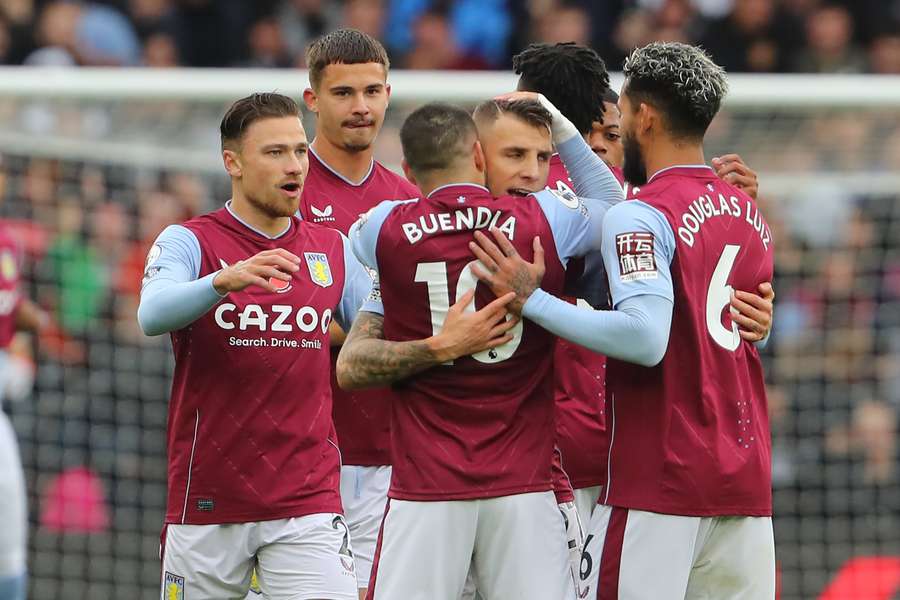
{"x": 634, "y": 169}
{"x": 273, "y": 209}
{"x": 356, "y": 148}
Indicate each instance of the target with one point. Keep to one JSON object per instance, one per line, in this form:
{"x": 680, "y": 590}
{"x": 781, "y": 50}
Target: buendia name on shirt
{"x": 462, "y": 219}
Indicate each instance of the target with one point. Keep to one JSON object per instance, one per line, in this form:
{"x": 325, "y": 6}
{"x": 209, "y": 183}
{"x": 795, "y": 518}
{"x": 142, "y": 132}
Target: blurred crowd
{"x": 815, "y": 36}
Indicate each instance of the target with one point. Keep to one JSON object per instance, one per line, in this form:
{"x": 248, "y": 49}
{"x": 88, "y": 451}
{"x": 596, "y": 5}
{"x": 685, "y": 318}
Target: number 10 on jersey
{"x": 434, "y": 275}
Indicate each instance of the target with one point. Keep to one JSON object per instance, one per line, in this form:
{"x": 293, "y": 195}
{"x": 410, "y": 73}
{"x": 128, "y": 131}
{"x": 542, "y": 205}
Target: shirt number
{"x": 434, "y": 275}
{"x": 718, "y": 296}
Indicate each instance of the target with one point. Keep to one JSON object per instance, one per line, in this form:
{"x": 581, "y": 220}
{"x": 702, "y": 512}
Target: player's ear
{"x": 232, "y": 162}
{"x": 480, "y": 162}
{"x": 647, "y": 118}
{"x": 311, "y": 100}
{"x": 387, "y": 90}
{"x": 408, "y": 172}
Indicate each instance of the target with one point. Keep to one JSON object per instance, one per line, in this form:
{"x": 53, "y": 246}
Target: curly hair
{"x": 680, "y": 80}
{"x": 572, "y": 77}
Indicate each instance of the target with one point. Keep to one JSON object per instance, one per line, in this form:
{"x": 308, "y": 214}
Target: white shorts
{"x": 13, "y": 511}
{"x": 637, "y": 555}
{"x": 302, "y": 558}
{"x": 516, "y": 543}
{"x": 364, "y": 496}
{"x": 586, "y": 501}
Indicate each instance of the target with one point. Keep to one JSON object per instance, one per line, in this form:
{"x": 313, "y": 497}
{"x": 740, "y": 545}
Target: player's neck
{"x": 668, "y": 155}
{"x": 258, "y": 220}
{"x": 353, "y": 166}
{"x": 439, "y": 179}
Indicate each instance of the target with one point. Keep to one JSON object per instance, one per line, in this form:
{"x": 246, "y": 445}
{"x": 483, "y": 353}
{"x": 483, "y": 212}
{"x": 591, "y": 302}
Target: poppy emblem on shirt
{"x": 319, "y": 270}
{"x": 280, "y": 285}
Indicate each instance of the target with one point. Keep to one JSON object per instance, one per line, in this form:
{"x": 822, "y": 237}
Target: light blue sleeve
{"x": 171, "y": 295}
{"x": 590, "y": 175}
{"x": 575, "y": 226}
{"x": 638, "y": 248}
{"x": 364, "y": 233}
{"x": 364, "y": 242}
{"x": 357, "y": 287}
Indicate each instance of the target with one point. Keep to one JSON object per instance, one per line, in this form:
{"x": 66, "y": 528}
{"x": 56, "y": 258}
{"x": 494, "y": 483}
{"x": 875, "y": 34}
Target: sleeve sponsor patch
{"x": 636, "y": 257}
{"x": 565, "y": 195}
{"x": 375, "y": 293}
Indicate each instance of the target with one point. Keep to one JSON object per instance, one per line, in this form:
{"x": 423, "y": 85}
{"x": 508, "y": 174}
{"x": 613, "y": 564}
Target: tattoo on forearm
{"x": 368, "y": 360}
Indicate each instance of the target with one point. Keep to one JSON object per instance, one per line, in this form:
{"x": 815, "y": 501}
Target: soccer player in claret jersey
{"x": 349, "y": 96}
{"x": 574, "y": 78}
{"x": 689, "y": 488}
{"x": 247, "y": 293}
{"x": 472, "y": 439}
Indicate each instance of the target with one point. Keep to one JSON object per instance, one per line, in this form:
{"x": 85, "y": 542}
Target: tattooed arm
{"x": 368, "y": 360}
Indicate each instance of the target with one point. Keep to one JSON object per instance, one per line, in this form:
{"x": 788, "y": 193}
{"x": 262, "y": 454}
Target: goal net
{"x": 95, "y": 163}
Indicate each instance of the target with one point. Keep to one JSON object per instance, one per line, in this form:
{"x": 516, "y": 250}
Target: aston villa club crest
{"x": 319, "y": 270}
{"x": 174, "y": 587}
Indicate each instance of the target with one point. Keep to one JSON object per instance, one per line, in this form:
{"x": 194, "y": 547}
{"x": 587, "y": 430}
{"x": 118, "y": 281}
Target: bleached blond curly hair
{"x": 680, "y": 79}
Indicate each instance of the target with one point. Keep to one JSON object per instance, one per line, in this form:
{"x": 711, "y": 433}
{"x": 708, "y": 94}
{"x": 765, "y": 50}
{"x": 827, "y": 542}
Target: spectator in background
{"x": 211, "y": 33}
{"x": 365, "y": 15}
{"x": 754, "y": 37}
{"x": 267, "y": 46}
{"x": 884, "y": 54}
{"x": 829, "y": 43}
{"x": 160, "y": 51}
{"x": 563, "y": 21}
{"x": 149, "y": 16}
{"x": 434, "y": 46}
{"x": 302, "y": 21}
{"x": 105, "y": 37}
{"x": 479, "y": 27}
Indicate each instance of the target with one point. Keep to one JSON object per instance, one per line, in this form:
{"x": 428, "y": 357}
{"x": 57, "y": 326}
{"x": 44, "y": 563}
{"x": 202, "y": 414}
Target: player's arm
{"x": 754, "y": 310}
{"x": 30, "y": 316}
{"x": 173, "y": 296}
{"x": 359, "y": 288}
{"x": 637, "y": 330}
{"x": 593, "y": 180}
{"x": 368, "y": 360}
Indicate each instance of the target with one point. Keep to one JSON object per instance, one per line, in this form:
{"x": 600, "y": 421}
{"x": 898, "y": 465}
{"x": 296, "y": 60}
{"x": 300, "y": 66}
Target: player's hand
{"x": 257, "y": 270}
{"x": 754, "y": 312}
{"x": 730, "y": 168}
{"x": 467, "y": 332}
{"x": 506, "y": 271}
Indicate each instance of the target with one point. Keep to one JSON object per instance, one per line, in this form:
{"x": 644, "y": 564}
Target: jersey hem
{"x": 681, "y": 511}
{"x": 365, "y": 460}
{"x": 467, "y": 495}
{"x": 252, "y": 517}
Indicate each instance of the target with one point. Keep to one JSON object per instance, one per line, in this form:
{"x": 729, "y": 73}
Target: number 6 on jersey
{"x": 434, "y": 275}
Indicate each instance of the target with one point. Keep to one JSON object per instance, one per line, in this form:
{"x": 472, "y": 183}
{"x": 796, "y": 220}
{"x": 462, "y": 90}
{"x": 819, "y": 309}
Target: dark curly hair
{"x": 572, "y": 77}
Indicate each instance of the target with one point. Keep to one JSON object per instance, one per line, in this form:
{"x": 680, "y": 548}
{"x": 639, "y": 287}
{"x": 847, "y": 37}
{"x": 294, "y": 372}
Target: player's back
{"x": 482, "y": 426}
{"x": 690, "y": 436}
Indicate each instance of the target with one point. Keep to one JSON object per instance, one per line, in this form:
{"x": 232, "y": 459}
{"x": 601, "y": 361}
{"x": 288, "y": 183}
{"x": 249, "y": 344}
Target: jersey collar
{"x": 359, "y": 183}
{"x": 254, "y": 229}
{"x": 689, "y": 170}
{"x": 460, "y": 188}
